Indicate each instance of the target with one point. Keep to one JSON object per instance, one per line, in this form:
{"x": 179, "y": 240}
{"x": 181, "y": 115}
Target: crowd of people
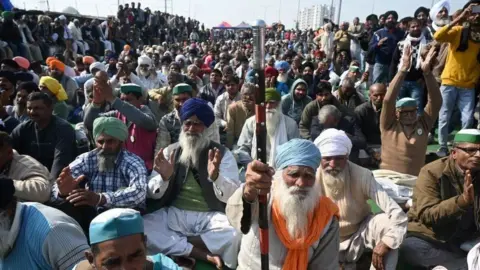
{"x": 132, "y": 143}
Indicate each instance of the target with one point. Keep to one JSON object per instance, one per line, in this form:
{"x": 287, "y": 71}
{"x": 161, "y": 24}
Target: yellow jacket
{"x": 462, "y": 69}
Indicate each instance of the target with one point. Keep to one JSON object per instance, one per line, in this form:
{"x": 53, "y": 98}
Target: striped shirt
{"x": 125, "y": 186}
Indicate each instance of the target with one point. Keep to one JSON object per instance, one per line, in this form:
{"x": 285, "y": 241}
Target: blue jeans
{"x": 465, "y": 101}
{"x": 380, "y": 73}
{"x": 413, "y": 90}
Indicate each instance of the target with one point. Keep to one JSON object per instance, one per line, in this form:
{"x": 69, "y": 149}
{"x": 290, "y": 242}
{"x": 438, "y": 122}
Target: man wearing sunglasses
{"x": 445, "y": 211}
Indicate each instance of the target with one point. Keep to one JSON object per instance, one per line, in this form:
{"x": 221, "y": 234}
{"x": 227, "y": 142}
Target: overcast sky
{"x": 213, "y": 12}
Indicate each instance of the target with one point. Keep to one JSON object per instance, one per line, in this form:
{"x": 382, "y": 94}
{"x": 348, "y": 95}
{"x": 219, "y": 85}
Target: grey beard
{"x": 5, "y": 226}
{"x": 106, "y": 161}
{"x": 442, "y": 22}
{"x": 192, "y": 146}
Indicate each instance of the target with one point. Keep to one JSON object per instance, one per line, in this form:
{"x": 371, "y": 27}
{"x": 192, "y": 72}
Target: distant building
{"x": 313, "y": 17}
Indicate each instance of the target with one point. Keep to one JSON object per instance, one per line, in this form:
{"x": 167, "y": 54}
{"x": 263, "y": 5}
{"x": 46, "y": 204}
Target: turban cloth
{"x": 272, "y": 94}
{"x": 250, "y": 77}
{"x": 56, "y": 64}
{"x": 54, "y": 87}
{"x": 22, "y": 62}
{"x": 144, "y": 60}
{"x": 126, "y": 48}
{"x": 110, "y": 126}
{"x": 282, "y": 65}
{"x": 333, "y": 142}
{"x": 179, "y": 58}
{"x": 270, "y": 72}
{"x": 198, "y": 107}
{"x": 96, "y": 65}
{"x": 10, "y": 76}
{"x": 128, "y": 88}
{"x": 7, "y": 190}
{"x": 439, "y": 6}
{"x": 115, "y": 223}
{"x": 419, "y": 10}
{"x": 24, "y": 76}
{"x": 182, "y": 88}
{"x": 88, "y": 60}
{"x": 468, "y": 136}
{"x": 297, "y": 152}
{"x": 393, "y": 13}
{"x": 406, "y": 102}
{"x": 49, "y": 60}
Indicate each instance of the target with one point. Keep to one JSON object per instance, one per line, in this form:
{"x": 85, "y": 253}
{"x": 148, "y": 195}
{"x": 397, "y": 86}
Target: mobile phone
{"x": 476, "y": 9}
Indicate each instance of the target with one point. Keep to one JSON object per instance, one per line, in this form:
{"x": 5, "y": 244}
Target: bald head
{"x": 377, "y": 93}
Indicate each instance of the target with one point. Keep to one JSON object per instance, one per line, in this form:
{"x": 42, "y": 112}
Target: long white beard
{"x": 282, "y": 77}
{"x": 333, "y": 178}
{"x": 5, "y": 226}
{"x": 295, "y": 206}
{"x": 192, "y": 145}
{"x": 273, "y": 118}
{"x": 442, "y": 22}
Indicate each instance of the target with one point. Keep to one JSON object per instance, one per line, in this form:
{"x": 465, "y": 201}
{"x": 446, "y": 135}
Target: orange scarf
{"x": 297, "y": 256}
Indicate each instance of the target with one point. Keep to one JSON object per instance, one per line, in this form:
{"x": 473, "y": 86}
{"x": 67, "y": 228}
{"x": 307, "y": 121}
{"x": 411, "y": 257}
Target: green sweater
{"x": 191, "y": 197}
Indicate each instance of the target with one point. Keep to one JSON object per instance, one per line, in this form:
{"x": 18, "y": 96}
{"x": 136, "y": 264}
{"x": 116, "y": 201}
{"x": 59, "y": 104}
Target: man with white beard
{"x": 439, "y": 16}
{"x": 280, "y": 129}
{"x": 189, "y": 188}
{"x": 350, "y": 186}
{"x": 35, "y": 236}
{"x": 148, "y": 75}
{"x": 303, "y": 225}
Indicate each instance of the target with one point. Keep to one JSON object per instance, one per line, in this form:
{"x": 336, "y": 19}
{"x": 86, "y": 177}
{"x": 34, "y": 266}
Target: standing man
{"x": 461, "y": 71}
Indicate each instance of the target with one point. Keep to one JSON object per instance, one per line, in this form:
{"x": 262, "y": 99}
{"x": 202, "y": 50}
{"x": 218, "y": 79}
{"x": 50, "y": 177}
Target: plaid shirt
{"x": 126, "y": 186}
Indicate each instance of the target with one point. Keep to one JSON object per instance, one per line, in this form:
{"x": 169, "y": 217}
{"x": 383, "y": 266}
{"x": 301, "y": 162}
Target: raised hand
{"x": 214, "y": 160}
{"x": 427, "y": 64}
{"x": 66, "y": 183}
{"x": 407, "y": 57}
{"x": 468, "y": 188}
{"x": 163, "y": 166}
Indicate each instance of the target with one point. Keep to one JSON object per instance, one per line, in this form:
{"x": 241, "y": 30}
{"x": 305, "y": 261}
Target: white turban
{"x": 179, "y": 58}
{"x": 439, "y": 6}
{"x": 333, "y": 142}
{"x": 97, "y": 65}
{"x": 144, "y": 60}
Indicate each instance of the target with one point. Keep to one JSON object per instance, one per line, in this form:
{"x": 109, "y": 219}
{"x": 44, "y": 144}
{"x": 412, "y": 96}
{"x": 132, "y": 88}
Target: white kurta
{"x": 167, "y": 229}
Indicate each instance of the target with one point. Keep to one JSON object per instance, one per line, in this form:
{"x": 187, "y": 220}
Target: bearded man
{"x": 303, "y": 225}
{"x": 147, "y": 75}
{"x": 462, "y": 71}
{"x": 283, "y": 80}
{"x": 239, "y": 112}
{"x": 294, "y": 103}
{"x": 106, "y": 177}
{"x": 439, "y": 16}
{"x": 350, "y": 186}
{"x": 57, "y": 71}
{"x": 189, "y": 187}
{"x": 35, "y": 236}
{"x": 280, "y": 129}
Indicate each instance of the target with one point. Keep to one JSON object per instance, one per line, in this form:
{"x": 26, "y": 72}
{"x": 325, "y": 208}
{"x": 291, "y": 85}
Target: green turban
{"x": 272, "y": 94}
{"x": 110, "y": 126}
{"x": 182, "y": 88}
{"x": 7, "y": 15}
{"x": 467, "y": 136}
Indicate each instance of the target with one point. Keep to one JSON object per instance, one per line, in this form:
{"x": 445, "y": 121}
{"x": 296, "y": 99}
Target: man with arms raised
{"x": 350, "y": 186}
{"x": 303, "y": 225}
{"x": 189, "y": 187}
{"x": 117, "y": 241}
{"x": 280, "y": 129}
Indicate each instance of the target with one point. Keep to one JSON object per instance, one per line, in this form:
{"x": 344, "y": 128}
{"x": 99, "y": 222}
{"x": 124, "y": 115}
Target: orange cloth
{"x": 50, "y": 59}
{"x": 297, "y": 256}
{"x": 56, "y": 64}
{"x": 88, "y": 60}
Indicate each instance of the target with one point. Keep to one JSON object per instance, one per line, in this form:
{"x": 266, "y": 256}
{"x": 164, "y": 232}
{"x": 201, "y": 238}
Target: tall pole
{"x": 279, "y": 10}
{"x": 332, "y": 14}
{"x": 259, "y": 28}
{"x": 298, "y": 15}
{"x": 48, "y": 5}
{"x": 339, "y": 11}
{"x": 165, "y": 6}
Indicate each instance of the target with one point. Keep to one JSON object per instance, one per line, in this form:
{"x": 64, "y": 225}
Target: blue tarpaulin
{"x": 7, "y": 5}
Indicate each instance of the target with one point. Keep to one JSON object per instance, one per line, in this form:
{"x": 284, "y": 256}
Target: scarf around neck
{"x": 422, "y": 42}
{"x": 297, "y": 254}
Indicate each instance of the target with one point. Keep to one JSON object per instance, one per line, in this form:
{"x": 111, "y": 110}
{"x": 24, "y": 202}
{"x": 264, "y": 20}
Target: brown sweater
{"x": 400, "y": 153}
{"x": 237, "y": 114}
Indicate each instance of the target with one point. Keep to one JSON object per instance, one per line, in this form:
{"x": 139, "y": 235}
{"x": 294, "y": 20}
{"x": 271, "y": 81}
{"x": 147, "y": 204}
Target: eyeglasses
{"x": 471, "y": 151}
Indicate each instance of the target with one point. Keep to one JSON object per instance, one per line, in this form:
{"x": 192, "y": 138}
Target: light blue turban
{"x": 115, "y": 223}
{"x": 297, "y": 152}
{"x": 406, "y": 102}
{"x": 282, "y": 65}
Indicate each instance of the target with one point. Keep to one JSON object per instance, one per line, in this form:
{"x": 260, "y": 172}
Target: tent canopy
{"x": 224, "y": 24}
{"x": 243, "y": 25}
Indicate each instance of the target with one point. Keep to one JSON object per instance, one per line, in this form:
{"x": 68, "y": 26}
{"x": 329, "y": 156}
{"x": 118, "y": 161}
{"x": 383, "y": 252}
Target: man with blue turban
{"x": 303, "y": 225}
{"x": 108, "y": 176}
{"x": 118, "y": 235}
{"x": 189, "y": 186}
{"x": 350, "y": 186}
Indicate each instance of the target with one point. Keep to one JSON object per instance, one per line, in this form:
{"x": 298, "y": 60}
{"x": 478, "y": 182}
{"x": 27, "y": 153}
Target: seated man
{"x": 45, "y": 137}
{"x": 368, "y": 120}
{"x": 303, "y": 225}
{"x": 223, "y": 101}
{"x": 404, "y": 134}
{"x": 30, "y": 178}
{"x": 294, "y": 103}
{"x": 350, "y": 186}
{"x": 190, "y": 185}
{"x": 35, "y": 236}
{"x": 113, "y": 248}
{"x": 331, "y": 117}
{"x": 142, "y": 126}
{"x": 106, "y": 177}
{"x": 348, "y": 95}
{"x": 239, "y": 112}
{"x": 444, "y": 214}
{"x": 280, "y": 129}
{"x": 170, "y": 125}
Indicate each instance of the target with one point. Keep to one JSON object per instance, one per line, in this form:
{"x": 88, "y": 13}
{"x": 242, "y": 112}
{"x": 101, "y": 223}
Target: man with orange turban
{"x": 303, "y": 225}
{"x": 57, "y": 71}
